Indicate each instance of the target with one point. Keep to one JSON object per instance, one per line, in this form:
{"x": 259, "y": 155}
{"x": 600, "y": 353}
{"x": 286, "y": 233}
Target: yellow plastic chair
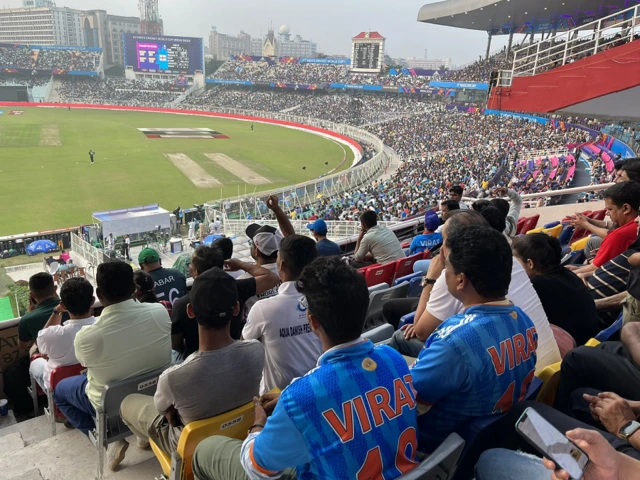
{"x": 550, "y": 377}
{"x": 553, "y": 231}
{"x": 579, "y": 244}
{"x": 536, "y": 230}
{"x": 233, "y": 424}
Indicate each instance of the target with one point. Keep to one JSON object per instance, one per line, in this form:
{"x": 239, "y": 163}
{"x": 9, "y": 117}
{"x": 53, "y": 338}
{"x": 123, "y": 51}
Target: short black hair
{"x": 619, "y": 164}
{"x": 337, "y": 296}
{"x": 544, "y": 250}
{"x": 205, "y": 258}
{"x": 632, "y": 167}
{"x": 369, "y": 219}
{"x": 484, "y": 256}
{"x": 480, "y": 205}
{"x": 77, "y": 296}
{"x": 298, "y": 251}
{"x": 225, "y": 245}
{"x": 625, "y": 192}
{"x": 457, "y": 189}
{"x": 145, "y": 285}
{"x": 41, "y": 283}
{"x": 115, "y": 281}
{"x": 451, "y": 205}
{"x": 495, "y": 218}
{"x": 501, "y": 204}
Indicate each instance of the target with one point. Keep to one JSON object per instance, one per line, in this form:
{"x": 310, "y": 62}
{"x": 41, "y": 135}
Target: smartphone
{"x": 552, "y": 443}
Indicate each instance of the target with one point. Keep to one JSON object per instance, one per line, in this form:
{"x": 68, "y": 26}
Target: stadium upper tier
{"x": 518, "y": 16}
{"x": 48, "y": 59}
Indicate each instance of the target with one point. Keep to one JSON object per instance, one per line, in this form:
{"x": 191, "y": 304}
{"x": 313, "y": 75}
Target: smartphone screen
{"x": 552, "y": 443}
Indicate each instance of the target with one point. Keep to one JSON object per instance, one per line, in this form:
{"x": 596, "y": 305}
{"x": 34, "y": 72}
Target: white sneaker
{"x": 116, "y": 454}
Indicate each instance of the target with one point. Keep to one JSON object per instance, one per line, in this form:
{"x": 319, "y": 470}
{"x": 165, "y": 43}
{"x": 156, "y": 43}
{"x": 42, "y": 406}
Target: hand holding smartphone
{"x": 552, "y": 443}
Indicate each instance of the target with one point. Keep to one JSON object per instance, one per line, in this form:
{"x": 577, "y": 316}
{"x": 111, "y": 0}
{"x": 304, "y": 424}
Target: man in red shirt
{"x": 622, "y": 202}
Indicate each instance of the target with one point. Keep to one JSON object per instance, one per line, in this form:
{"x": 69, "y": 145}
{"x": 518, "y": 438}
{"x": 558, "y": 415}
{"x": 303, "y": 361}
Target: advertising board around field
{"x": 163, "y": 54}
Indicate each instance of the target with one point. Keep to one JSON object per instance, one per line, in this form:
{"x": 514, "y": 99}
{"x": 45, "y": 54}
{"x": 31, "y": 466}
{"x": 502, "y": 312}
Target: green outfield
{"x": 48, "y": 181}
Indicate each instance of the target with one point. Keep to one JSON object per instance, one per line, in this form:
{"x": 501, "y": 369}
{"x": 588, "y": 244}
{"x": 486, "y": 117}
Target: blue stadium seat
{"x": 407, "y": 278}
{"x": 566, "y": 234}
{"x": 552, "y": 224}
{"x": 415, "y": 290}
{"x": 608, "y": 332}
{"x": 407, "y": 319}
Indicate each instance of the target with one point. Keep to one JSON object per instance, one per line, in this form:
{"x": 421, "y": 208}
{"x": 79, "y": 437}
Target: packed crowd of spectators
{"x": 117, "y": 91}
{"x": 335, "y": 107}
{"x": 29, "y": 80}
{"x": 45, "y": 59}
{"x": 266, "y": 72}
{"x": 297, "y": 322}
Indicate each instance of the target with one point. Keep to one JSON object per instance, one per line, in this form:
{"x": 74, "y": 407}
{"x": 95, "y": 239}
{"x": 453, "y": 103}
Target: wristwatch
{"x": 427, "y": 281}
{"x": 628, "y": 429}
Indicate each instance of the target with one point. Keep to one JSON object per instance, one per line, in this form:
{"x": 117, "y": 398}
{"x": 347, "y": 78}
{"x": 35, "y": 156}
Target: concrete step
{"x": 33, "y": 431}
{"x": 70, "y": 456}
{"x": 11, "y": 443}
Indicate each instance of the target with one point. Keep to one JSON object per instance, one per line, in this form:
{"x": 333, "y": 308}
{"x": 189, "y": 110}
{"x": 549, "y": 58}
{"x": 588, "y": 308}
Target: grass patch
{"x": 57, "y": 187}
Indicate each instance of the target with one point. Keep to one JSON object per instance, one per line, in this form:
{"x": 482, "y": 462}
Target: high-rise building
{"x": 297, "y": 47}
{"x": 41, "y": 26}
{"x": 434, "y": 64}
{"x": 222, "y": 46}
{"x": 105, "y": 31}
{"x": 256, "y": 47}
{"x": 37, "y": 3}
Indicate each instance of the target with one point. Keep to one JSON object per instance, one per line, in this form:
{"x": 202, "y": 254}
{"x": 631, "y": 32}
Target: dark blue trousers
{"x": 70, "y": 398}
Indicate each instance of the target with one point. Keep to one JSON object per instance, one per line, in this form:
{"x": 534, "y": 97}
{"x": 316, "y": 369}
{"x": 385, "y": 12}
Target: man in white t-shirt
{"x": 437, "y": 304}
{"x": 55, "y": 341}
{"x": 280, "y": 322}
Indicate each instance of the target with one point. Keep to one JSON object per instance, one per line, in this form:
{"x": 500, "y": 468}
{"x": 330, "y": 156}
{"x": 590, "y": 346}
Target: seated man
{"x": 455, "y": 193}
{"x": 446, "y": 208}
{"x": 325, "y": 247}
{"x": 222, "y": 375}
{"x": 128, "y": 339}
{"x": 55, "y": 341}
{"x": 354, "y": 416}
{"x": 436, "y": 303}
{"x": 622, "y": 202}
{"x": 376, "y": 244}
{"x": 171, "y": 284}
{"x": 291, "y": 348}
{"x": 611, "y": 366}
{"x": 481, "y": 361}
{"x": 428, "y": 239}
{"x": 184, "y": 331}
{"x": 42, "y": 300}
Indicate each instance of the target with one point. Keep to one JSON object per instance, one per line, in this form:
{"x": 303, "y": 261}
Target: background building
{"x": 434, "y": 64}
{"x": 41, "y": 26}
{"x": 37, "y": 3}
{"x": 222, "y": 46}
{"x": 256, "y": 47}
{"x": 105, "y": 31}
{"x": 297, "y": 47}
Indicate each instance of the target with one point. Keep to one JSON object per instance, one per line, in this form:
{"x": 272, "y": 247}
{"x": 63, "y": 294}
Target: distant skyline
{"x": 330, "y": 24}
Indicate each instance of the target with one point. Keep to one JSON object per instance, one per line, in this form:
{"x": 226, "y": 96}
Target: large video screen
{"x": 160, "y": 54}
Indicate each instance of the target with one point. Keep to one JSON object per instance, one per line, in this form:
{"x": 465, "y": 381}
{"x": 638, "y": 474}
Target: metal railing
{"x": 572, "y": 45}
{"x": 92, "y": 255}
{"x": 253, "y": 205}
{"x": 336, "y": 229}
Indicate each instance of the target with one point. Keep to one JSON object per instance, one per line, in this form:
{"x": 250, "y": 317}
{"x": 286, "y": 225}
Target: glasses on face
{"x": 251, "y": 244}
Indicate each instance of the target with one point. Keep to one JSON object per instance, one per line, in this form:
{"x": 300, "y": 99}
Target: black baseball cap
{"x": 214, "y": 295}
{"x": 266, "y": 238}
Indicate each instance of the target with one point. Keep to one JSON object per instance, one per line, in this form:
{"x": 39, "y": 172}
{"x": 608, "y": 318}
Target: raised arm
{"x": 265, "y": 279}
{"x": 283, "y": 220}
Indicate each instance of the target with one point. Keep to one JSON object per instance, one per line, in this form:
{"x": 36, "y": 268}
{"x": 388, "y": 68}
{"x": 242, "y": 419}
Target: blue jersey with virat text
{"x": 352, "y": 417}
{"x": 475, "y": 364}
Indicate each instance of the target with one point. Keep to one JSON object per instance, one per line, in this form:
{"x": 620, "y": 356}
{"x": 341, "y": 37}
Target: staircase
{"x": 593, "y": 70}
{"x": 54, "y": 97}
{"x": 29, "y": 452}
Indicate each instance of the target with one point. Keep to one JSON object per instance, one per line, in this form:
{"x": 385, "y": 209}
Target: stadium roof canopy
{"x": 500, "y": 17}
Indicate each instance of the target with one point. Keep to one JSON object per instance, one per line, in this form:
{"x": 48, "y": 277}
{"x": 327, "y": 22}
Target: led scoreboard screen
{"x": 367, "y": 56}
{"x": 160, "y": 54}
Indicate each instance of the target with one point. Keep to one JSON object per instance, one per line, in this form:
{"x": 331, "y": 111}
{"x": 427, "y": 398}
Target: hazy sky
{"x": 330, "y": 23}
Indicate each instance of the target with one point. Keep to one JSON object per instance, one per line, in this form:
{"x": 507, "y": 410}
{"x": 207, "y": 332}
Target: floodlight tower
{"x": 150, "y": 23}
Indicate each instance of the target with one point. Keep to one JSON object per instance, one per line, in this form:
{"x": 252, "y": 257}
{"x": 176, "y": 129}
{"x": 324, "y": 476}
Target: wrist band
{"x": 256, "y": 425}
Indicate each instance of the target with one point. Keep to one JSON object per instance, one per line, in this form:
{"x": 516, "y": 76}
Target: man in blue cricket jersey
{"x": 429, "y": 238}
{"x": 481, "y": 361}
{"x": 353, "y": 416}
